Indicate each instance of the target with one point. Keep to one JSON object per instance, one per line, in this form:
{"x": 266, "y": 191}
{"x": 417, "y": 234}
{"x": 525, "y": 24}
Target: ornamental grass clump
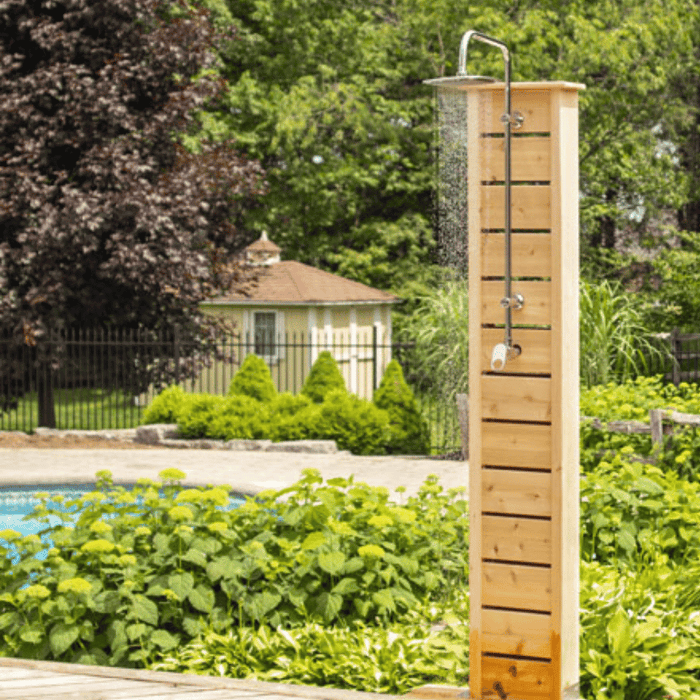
{"x": 253, "y": 379}
{"x": 324, "y": 378}
{"x": 408, "y": 430}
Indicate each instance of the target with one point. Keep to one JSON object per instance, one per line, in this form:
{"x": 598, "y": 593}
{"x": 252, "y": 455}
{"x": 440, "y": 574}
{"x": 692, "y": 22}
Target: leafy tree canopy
{"x": 106, "y": 218}
{"x": 331, "y": 100}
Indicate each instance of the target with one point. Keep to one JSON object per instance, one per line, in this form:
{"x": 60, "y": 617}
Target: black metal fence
{"x": 104, "y": 379}
{"x": 682, "y": 363}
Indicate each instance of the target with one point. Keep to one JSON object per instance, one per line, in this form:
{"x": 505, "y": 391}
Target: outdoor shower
{"x": 507, "y": 200}
{"x": 511, "y": 120}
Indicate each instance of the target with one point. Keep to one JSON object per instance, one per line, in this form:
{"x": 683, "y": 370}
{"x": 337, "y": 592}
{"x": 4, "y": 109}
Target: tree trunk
{"x": 47, "y": 411}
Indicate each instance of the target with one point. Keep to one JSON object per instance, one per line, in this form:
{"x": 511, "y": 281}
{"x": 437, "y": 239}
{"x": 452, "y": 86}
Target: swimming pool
{"x": 17, "y": 502}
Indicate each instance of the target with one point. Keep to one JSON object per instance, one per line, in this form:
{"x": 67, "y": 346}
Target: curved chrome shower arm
{"x": 464, "y": 46}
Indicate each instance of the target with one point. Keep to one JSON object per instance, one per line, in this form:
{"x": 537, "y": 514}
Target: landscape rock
{"x": 248, "y": 445}
{"x": 324, "y": 447}
{"x": 156, "y": 433}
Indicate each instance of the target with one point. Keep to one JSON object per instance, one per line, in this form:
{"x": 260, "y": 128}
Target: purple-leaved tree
{"x": 105, "y": 218}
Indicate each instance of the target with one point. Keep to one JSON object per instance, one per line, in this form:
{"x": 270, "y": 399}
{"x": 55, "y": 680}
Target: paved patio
{"x": 245, "y": 472}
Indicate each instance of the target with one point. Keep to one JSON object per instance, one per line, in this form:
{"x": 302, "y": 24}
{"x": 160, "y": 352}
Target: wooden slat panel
{"x": 516, "y": 445}
{"x": 530, "y": 207}
{"x": 516, "y": 679}
{"x": 531, "y": 255}
{"x": 535, "y": 357}
{"x": 530, "y": 159}
{"x": 537, "y": 308}
{"x": 516, "y": 492}
{"x": 534, "y": 105}
{"x": 516, "y": 539}
{"x": 516, "y": 586}
{"x": 516, "y": 398}
{"x": 519, "y": 633}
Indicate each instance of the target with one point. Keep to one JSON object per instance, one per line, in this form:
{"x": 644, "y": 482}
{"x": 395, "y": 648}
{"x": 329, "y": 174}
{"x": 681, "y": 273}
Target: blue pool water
{"x": 16, "y": 502}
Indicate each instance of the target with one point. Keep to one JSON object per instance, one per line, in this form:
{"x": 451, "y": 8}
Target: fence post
{"x": 463, "y": 411}
{"x": 176, "y": 352}
{"x": 676, "y": 351}
{"x": 657, "y": 431}
{"x": 375, "y": 359}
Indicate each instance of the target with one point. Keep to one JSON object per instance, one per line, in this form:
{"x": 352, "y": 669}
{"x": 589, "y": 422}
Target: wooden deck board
{"x": 25, "y": 679}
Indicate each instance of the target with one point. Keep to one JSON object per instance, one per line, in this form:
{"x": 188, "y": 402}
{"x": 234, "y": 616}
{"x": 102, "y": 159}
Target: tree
{"x": 326, "y": 100}
{"x": 106, "y": 218}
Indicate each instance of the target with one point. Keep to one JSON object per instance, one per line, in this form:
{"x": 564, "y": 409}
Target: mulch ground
{"x": 53, "y": 442}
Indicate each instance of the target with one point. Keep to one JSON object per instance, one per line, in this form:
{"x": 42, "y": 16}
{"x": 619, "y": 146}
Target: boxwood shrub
{"x": 408, "y": 430}
{"x": 253, "y": 379}
{"x": 323, "y": 378}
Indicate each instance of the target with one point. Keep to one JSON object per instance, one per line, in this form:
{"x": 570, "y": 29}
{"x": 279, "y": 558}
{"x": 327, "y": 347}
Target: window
{"x": 265, "y": 333}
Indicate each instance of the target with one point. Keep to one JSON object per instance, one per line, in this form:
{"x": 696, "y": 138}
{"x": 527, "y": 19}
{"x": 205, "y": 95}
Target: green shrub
{"x": 165, "y": 407}
{"x": 355, "y": 424}
{"x": 323, "y": 378}
{"x": 145, "y": 572}
{"x": 408, "y": 429}
{"x": 293, "y": 418}
{"x": 196, "y": 415}
{"x": 240, "y": 418}
{"x": 632, "y": 400}
{"x": 371, "y": 659}
{"x": 253, "y": 379}
{"x": 633, "y": 512}
{"x": 639, "y": 637}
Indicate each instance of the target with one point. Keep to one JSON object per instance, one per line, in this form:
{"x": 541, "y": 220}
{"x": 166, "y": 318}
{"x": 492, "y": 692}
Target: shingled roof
{"x": 293, "y": 283}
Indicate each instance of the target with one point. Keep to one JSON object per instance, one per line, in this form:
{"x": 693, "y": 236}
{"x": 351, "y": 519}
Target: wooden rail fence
{"x": 661, "y": 422}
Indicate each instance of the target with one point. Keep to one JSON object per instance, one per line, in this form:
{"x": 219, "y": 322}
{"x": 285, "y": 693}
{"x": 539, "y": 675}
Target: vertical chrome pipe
{"x": 507, "y": 126}
{"x": 506, "y": 350}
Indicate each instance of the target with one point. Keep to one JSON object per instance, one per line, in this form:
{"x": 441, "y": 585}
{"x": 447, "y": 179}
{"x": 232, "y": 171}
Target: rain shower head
{"x": 458, "y": 81}
{"x": 462, "y": 79}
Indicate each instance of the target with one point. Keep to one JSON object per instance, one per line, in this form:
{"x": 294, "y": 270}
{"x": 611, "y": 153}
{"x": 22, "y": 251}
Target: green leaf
{"x": 331, "y": 562}
{"x": 8, "y": 619}
{"x": 165, "y": 640}
{"x": 208, "y": 545}
{"x": 145, "y": 609}
{"x": 314, "y": 541}
{"x": 181, "y": 584}
{"x": 62, "y": 637}
{"x": 227, "y": 569}
{"x": 262, "y": 603}
{"x": 626, "y": 540}
{"x": 619, "y": 632}
{"x": 328, "y": 605}
{"x": 202, "y": 598}
{"x": 195, "y": 557}
{"x": 384, "y": 599}
{"x": 353, "y": 564}
{"x": 345, "y": 586}
{"x": 32, "y": 634}
{"x": 136, "y": 631}
{"x": 116, "y": 635}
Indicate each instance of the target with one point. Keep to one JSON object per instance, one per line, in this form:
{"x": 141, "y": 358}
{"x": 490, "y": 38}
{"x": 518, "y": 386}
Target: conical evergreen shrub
{"x": 323, "y": 378}
{"x": 253, "y": 379}
{"x": 409, "y": 433}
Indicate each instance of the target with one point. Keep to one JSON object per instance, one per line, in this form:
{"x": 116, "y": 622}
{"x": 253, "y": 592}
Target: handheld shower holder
{"x": 514, "y": 302}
